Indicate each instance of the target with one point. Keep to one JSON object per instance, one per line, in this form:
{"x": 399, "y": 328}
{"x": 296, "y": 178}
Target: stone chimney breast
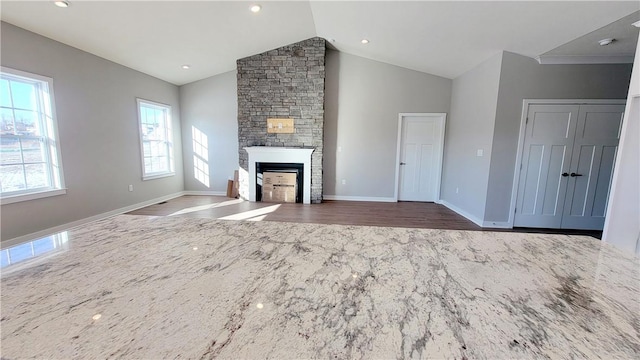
{"x": 287, "y": 83}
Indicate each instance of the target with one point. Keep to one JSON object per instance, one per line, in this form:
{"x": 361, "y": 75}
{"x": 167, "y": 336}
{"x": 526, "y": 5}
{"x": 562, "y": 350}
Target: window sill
{"x": 31, "y": 196}
{"x": 157, "y": 176}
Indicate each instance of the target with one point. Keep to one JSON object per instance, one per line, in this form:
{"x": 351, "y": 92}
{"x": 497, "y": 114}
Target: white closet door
{"x": 594, "y": 153}
{"x": 549, "y": 139}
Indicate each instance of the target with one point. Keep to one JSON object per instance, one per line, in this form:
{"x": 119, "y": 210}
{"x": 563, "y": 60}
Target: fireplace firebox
{"x": 297, "y": 168}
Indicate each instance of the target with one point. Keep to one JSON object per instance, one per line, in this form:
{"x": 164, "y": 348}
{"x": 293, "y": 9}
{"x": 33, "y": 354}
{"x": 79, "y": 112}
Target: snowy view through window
{"x": 155, "y": 134}
{"x": 26, "y": 148}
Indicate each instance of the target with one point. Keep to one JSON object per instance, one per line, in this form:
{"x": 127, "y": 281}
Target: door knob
{"x": 574, "y": 174}
{"x": 403, "y": 163}
{"x": 565, "y": 174}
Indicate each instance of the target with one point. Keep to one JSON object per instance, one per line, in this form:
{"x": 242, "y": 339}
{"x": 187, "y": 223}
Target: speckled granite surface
{"x": 195, "y": 288}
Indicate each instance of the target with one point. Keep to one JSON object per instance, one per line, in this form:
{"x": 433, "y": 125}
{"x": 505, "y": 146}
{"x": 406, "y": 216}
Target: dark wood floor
{"x": 400, "y": 214}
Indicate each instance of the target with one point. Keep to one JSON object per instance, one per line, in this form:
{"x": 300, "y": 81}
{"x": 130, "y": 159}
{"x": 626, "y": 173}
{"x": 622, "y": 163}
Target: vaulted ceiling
{"x": 445, "y": 38}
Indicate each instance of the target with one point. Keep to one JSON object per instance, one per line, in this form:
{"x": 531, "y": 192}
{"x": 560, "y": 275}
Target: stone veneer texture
{"x": 287, "y": 82}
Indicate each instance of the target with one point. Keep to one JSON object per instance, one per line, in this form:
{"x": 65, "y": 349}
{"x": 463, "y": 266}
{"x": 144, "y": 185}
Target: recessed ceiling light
{"x": 636, "y": 24}
{"x": 62, "y": 4}
{"x": 605, "y": 42}
{"x": 364, "y": 41}
{"x": 256, "y": 8}
{"x": 186, "y": 67}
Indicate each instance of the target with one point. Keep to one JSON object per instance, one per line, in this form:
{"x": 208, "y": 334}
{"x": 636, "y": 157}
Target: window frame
{"x": 168, "y": 139}
{"x": 47, "y": 109}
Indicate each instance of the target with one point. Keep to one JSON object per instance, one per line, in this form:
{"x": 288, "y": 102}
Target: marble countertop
{"x": 139, "y": 287}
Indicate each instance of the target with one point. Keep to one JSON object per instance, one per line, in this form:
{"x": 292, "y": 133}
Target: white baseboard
{"x": 56, "y": 229}
{"x": 358, "y": 198}
{"x": 205, "y": 193}
{"x": 461, "y": 212}
{"x": 497, "y": 224}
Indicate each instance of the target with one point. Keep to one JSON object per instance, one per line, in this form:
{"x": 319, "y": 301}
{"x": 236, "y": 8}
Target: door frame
{"x": 443, "y": 120}
{"x": 523, "y": 126}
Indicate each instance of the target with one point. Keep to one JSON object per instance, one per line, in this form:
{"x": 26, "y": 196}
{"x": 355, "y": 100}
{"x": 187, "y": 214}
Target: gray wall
{"x": 362, "y": 101}
{"x": 622, "y": 227}
{"x": 98, "y": 132}
{"x": 474, "y": 99}
{"x": 211, "y": 106}
{"x": 523, "y": 78}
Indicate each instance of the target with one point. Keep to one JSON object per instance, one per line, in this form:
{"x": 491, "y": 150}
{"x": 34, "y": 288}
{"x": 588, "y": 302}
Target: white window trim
{"x": 158, "y": 175}
{"x": 169, "y": 126}
{"x": 31, "y": 196}
{"x": 61, "y": 190}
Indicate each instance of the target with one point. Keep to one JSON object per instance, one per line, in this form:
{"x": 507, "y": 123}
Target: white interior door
{"x": 567, "y": 164}
{"x": 594, "y": 153}
{"x": 421, "y": 149}
{"x": 549, "y": 138}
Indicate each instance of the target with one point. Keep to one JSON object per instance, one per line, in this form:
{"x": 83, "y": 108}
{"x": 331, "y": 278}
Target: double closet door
{"x": 567, "y": 164}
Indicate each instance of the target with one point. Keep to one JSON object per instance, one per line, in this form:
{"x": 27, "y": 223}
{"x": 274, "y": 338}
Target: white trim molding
{"x": 581, "y": 59}
{"x": 496, "y": 225}
{"x": 31, "y": 196}
{"x": 475, "y": 219}
{"x": 204, "y": 193}
{"x": 358, "y": 198}
{"x": 463, "y": 213}
{"x": 68, "y": 226}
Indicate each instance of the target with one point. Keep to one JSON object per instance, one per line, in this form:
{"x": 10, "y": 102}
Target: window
{"x": 30, "y": 165}
{"x": 155, "y": 139}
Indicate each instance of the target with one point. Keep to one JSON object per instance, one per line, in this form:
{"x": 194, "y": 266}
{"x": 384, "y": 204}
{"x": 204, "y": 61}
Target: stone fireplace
{"x": 286, "y": 83}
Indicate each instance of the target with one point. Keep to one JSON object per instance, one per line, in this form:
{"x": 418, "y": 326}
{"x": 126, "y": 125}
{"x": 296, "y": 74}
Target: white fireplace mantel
{"x": 259, "y": 154}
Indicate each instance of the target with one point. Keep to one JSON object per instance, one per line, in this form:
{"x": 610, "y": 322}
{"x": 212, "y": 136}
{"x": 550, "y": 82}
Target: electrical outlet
{"x": 344, "y": 182}
{"x": 130, "y": 187}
